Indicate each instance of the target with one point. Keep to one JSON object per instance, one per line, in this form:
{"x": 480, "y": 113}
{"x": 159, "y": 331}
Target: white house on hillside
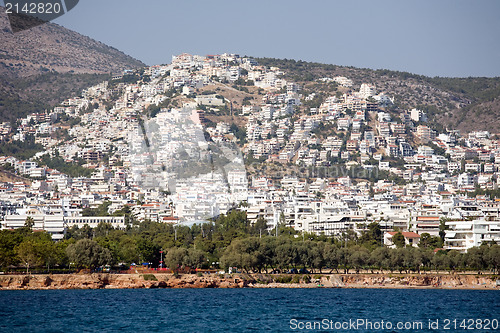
{"x": 411, "y": 238}
{"x": 462, "y": 235}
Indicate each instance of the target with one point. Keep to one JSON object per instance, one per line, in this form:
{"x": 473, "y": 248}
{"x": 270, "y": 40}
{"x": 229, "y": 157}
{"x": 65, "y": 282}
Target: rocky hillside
{"x": 467, "y": 104}
{"x": 46, "y": 64}
{"x": 50, "y": 47}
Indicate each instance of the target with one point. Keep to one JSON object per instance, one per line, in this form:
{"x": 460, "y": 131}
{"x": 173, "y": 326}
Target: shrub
{"x": 149, "y": 277}
{"x": 283, "y": 279}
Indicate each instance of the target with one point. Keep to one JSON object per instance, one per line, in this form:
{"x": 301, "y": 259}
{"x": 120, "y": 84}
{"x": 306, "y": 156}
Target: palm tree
{"x": 29, "y": 223}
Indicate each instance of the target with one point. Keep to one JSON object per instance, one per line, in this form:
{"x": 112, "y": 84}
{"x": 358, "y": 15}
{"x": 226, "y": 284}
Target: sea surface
{"x": 249, "y": 310}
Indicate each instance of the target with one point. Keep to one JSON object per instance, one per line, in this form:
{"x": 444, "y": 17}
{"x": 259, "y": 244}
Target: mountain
{"x": 46, "y": 64}
{"x": 42, "y": 66}
{"x": 468, "y": 104}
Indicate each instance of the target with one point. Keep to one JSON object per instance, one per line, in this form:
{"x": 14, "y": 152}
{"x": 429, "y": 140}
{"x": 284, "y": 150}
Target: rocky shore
{"x": 162, "y": 280}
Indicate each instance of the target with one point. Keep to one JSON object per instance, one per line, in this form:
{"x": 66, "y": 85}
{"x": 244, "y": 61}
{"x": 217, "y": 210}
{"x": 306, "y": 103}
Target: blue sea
{"x": 250, "y": 310}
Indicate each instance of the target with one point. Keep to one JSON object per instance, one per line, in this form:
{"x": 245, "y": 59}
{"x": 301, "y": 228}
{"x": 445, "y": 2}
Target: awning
{"x": 450, "y": 234}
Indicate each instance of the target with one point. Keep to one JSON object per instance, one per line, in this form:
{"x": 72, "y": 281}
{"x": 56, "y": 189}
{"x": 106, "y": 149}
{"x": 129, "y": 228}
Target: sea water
{"x": 250, "y": 310}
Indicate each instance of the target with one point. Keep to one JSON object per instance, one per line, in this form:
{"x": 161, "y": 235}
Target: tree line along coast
{"x": 231, "y": 241}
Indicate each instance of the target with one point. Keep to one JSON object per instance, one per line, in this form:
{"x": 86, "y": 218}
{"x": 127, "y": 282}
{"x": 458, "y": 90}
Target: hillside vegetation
{"x": 466, "y": 104}
{"x": 47, "y": 64}
{"x": 44, "y": 65}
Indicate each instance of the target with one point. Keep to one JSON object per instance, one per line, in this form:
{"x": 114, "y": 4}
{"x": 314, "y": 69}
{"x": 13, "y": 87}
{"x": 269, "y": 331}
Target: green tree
{"x": 430, "y": 242}
{"x": 441, "y": 261}
{"x": 101, "y": 210}
{"x": 87, "y": 253}
{"x": 245, "y": 253}
{"x": 195, "y": 258}
{"x": 399, "y": 240}
{"x": 379, "y": 258}
{"x": 127, "y": 250}
{"x": 475, "y": 258}
{"x": 415, "y": 259}
{"x": 427, "y": 256}
{"x": 149, "y": 251}
{"x": 37, "y": 249}
{"x": 29, "y": 254}
{"x": 372, "y": 237}
{"x": 103, "y": 229}
{"x": 493, "y": 258}
{"x": 9, "y": 240}
{"x": 61, "y": 258}
{"x": 176, "y": 258}
{"x": 358, "y": 257}
{"x": 343, "y": 258}
{"x": 317, "y": 251}
{"x": 259, "y": 227}
{"x": 79, "y": 233}
{"x": 29, "y": 223}
{"x": 330, "y": 254}
{"x": 287, "y": 255}
{"x": 456, "y": 260}
{"x": 397, "y": 259}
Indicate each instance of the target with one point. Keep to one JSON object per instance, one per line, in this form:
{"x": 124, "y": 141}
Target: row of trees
{"x": 282, "y": 255}
{"x": 23, "y": 247}
{"x": 232, "y": 241}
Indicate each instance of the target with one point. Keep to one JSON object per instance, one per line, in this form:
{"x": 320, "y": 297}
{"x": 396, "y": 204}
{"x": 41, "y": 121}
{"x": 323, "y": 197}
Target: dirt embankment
{"x": 456, "y": 281}
{"x": 132, "y": 281}
{"x": 116, "y": 281}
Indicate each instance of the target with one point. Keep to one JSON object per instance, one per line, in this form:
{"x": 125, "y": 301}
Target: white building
{"x": 367, "y": 90}
{"x": 209, "y": 100}
{"x": 418, "y": 115}
{"x": 56, "y": 225}
{"x": 118, "y": 222}
{"x": 343, "y": 81}
{"x": 462, "y": 235}
{"x": 425, "y": 151}
{"x": 411, "y": 238}
{"x": 53, "y": 224}
{"x": 466, "y": 179}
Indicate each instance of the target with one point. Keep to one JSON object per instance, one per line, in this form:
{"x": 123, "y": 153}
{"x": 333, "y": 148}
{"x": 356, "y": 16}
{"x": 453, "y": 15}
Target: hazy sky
{"x": 431, "y": 37}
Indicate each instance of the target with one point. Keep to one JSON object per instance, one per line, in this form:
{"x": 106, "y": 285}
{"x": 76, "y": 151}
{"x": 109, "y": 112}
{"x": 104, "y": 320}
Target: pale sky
{"x": 430, "y": 37}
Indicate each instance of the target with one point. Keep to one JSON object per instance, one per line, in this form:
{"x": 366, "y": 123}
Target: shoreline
{"x": 239, "y": 280}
